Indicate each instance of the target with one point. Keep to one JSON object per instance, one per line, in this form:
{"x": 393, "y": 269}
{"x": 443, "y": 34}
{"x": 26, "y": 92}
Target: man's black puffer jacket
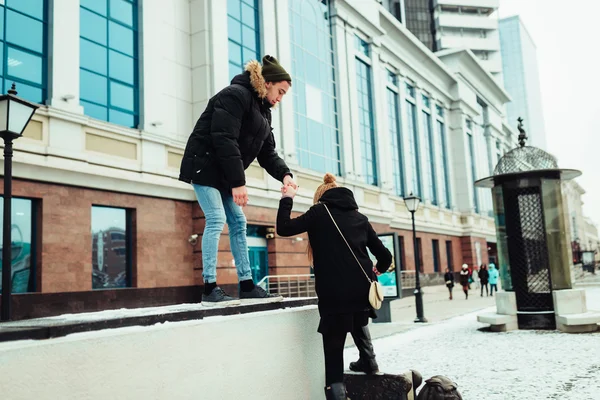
{"x": 233, "y": 131}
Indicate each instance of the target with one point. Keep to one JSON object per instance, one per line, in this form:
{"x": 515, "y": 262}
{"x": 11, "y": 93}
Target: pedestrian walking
{"x": 464, "y": 280}
{"x": 483, "y": 279}
{"x": 493, "y": 278}
{"x": 449, "y": 279}
{"x": 475, "y": 278}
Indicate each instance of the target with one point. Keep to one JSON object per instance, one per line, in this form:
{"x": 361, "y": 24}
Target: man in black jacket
{"x": 233, "y": 131}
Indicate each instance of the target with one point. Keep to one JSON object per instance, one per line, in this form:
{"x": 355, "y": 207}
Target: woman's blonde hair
{"x": 328, "y": 183}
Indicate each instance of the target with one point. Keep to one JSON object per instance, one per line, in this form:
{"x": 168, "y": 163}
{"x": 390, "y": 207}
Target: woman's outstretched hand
{"x": 289, "y": 191}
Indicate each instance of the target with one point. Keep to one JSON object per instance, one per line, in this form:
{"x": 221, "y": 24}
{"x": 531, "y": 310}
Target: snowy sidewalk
{"x": 436, "y": 307}
{"x": 497, "y": 366}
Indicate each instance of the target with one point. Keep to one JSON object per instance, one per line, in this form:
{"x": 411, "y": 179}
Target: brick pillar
{"x": 469, "y": 246}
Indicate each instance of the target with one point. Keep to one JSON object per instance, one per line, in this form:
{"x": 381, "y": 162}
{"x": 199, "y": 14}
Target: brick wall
{"x": 162, "y": 254}
{"x": 469, "y": 252}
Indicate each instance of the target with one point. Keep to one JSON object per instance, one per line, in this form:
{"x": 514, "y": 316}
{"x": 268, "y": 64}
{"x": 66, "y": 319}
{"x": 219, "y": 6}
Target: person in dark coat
{"x": 449, "y": 279}
{"x": 484, "y": 277}
{"x": 464, "y": 279}
{"x": 233, "y": 131}
{"x": 341, "y": 284}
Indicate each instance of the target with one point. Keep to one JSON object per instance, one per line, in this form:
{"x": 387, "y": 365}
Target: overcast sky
{"x": 565, "y": 34}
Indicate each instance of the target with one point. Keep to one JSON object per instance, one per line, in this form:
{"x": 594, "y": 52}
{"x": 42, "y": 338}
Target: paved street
{"x": 487, "y": 365}
{"x": 436, "y": 306}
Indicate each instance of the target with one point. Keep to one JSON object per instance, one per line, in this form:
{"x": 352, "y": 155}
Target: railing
{"x": 290, "y": 285}
{"x": 408, "y": 279}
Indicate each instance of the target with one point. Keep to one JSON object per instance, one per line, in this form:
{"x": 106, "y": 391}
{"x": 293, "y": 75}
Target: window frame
{"x": 35, "y": 267}
{"x": 393, "y": 94}
{"x": 130, "y": 243}
{"x": 362, "y": 60}
{"x": 8, "y": 79}
{"x": 135, "y": 86}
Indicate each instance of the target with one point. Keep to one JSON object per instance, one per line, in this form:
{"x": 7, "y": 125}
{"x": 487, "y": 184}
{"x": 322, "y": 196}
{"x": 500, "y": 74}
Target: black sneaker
{"x": 368, "y": 366}
{"x": 218, "y": 298}
{"x": 259, "y": 294}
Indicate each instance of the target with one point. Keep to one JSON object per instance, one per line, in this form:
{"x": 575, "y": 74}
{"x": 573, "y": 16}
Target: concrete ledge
{"x": 577, "y": 328}
{"x": 52, "y": 327}
{"x": 263, "y": 355}
{"x": 506, "y": 303}
{"x": 588, "y": 318}
{"x": 499, "y": 322}
{"x": 494, "y": 319}
{"x": 569, "y": 301}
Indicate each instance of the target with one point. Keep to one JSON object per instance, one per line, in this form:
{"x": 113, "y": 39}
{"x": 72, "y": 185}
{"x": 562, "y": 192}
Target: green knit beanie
{"x": 272, "y": 71}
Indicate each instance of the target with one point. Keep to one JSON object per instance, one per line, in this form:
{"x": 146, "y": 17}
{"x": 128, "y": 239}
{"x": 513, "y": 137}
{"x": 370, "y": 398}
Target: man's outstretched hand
{"x": 240, "y": 196}
{"x": 289, "y": 181}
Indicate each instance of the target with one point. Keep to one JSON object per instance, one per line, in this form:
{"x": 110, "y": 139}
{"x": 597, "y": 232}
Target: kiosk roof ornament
{"x": 526, "y": 159}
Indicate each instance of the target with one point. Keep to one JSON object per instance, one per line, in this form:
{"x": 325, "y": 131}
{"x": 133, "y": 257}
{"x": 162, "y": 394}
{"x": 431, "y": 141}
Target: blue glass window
{"x": 429, "y": 160}
{"x": 413, "y": 147}
{"x": 410, "y": 91}
{"x": 366, "y": 123}
{"x": 108, "y": 60}
{"x": 362, "y": 46}
{"x": 111, "y": 247}
{"x": 244, "y": 34}
{"x": 435, "y": 246}
{"x": 98, "y": 6}
{"x": 23, "y": 30}
{"x": 442, "y": 165}
{"x": 396, "y": 142}
{"x": 439, "y": 111}
{"x": 314, "y": 92}
{"x": 392, "y": 78}
{"x": 23, "y": 243}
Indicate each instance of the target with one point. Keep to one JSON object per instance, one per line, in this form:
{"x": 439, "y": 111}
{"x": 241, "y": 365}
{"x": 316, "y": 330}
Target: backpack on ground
{"x": 439, "y": 388}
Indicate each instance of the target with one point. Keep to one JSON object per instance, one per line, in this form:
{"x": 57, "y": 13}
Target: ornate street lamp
{"x": 412, "y": 204}
{"x": 15, "y": 114}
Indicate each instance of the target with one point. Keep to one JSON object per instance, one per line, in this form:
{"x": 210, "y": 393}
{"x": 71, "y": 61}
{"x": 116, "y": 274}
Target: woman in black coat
{"x": 464, "y": 279}
{"x": 341, "y": 285}
{"x": 484, "y": 276}
{"x": 449, "y": 279}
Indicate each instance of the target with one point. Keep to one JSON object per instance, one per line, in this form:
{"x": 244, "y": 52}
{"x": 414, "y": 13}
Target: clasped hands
{"x": 289, "y": 189}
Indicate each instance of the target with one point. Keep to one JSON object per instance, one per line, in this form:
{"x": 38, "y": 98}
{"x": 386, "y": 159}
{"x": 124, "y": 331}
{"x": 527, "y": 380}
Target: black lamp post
{"x": 412, "y": 203}
{"x": 15, "y": 114}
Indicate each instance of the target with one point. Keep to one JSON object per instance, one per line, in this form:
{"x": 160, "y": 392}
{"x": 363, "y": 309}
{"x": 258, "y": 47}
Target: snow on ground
{"x": 489, "y": 366}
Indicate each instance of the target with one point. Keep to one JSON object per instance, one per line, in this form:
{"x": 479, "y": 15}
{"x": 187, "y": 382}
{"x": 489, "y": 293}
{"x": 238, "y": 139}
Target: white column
{"x": 421, "y": 134}
{"x": 462, "y": 190}
{"x": 436, "y": 150}
{"x": 166, "y": 83}
{"x": 63, "y": 57}
{"x": 210, "y": 51}
{"x": 342, "y": 78}
{"x": 218, "y": 45}
{"x": 450, "y": 158}
{"x": 405, "y": 133}
{"x": 283, "y": 117}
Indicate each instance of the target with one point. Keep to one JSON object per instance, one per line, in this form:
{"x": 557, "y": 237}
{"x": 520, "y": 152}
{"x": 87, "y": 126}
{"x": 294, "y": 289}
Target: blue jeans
{"x": 218, "y": 208}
